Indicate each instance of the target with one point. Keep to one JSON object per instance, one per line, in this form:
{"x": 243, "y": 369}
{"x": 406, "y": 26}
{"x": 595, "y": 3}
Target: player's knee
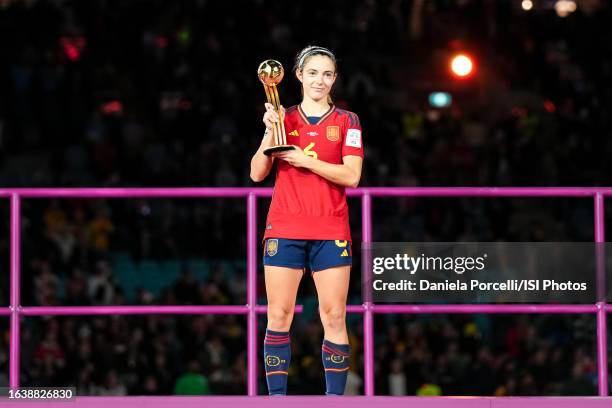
{"x": 333, "y": 317}
{"x": 279, "y": 318}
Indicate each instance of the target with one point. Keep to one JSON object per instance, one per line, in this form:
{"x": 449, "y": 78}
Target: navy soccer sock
{"x": 277, "y": 356}
{"x": 336, "y": 364}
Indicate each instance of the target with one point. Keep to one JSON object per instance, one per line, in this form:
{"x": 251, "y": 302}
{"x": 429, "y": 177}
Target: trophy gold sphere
{"x": 270, "y": 72}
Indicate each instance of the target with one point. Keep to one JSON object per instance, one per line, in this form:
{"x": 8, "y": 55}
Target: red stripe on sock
{"x": 337, "y": 369}
{"x": 277, "y": 372}
{"x": 334, "y": 351}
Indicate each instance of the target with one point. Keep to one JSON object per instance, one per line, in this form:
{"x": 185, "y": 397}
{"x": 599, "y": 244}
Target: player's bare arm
{"x": 346, "y": 174}
{"x": 261, "y": 165}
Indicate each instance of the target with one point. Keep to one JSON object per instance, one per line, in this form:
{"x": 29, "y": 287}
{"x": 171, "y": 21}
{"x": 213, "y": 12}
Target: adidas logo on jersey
{"x": 294, "y": 133}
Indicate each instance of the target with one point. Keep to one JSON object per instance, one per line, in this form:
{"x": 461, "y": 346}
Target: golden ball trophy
{"x": 270, "y": 73}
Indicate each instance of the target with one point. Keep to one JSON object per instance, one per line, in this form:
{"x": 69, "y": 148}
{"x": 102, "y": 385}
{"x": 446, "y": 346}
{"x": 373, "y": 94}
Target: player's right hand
{"x": 271, "y": 116}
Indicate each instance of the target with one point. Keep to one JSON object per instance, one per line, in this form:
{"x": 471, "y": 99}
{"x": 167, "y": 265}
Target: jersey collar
{"x": 326, "y": 115}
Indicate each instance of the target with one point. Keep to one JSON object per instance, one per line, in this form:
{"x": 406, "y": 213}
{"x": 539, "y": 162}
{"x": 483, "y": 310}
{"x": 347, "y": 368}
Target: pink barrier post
{"x": 602, "y": 329}
{"x": 368, "y": 317}
{"x": 252, "y": 295}
{"x": 15, "y": 290}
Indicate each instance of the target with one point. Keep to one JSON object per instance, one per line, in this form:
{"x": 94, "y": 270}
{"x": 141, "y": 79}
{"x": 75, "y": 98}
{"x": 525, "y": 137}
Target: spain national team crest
{"x": 333, "y": 133}
{"x": 272, "y": 361}
{"x": 272, "y": 247}
{"x": 337, "y": 359}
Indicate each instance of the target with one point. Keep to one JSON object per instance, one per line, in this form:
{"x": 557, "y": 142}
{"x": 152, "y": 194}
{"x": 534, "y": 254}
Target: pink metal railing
{"x": 251, "y": 309}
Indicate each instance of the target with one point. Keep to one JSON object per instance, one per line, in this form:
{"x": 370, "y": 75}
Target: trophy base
{"x": 279, "y": 148}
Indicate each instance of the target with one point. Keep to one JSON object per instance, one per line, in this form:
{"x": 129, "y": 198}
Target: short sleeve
{"x": 352, "y": 141}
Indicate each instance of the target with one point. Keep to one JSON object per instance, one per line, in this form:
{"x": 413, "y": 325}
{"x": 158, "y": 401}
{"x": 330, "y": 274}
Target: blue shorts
{"x": 315, "y": 255}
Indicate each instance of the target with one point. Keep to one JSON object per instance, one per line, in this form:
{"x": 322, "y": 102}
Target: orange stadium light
{"x": 462, "y": 66}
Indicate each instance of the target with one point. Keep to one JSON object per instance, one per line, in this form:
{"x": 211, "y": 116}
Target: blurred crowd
{"x": 160, "y": 93}
{"x": 155, "y": 93}
{"x": 487, "y": 355}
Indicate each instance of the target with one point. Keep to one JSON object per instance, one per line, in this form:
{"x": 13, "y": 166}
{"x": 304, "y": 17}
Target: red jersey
{"x": 304, "y": 204}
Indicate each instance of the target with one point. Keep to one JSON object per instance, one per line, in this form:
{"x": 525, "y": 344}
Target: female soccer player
{"x": 308, "y": 225}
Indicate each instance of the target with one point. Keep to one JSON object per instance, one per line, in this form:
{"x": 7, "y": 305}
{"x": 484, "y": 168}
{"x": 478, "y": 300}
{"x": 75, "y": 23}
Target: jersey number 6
{"x": 309, "y": 152}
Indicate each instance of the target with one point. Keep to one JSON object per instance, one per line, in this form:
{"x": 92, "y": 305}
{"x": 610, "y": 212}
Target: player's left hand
{"x": 295, "y": 157}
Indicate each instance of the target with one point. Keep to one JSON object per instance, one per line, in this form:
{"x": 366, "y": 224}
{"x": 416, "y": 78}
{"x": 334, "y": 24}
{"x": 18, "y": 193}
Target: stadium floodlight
{"x": 527, "y": 5}
{"x": 462, "y": 66}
